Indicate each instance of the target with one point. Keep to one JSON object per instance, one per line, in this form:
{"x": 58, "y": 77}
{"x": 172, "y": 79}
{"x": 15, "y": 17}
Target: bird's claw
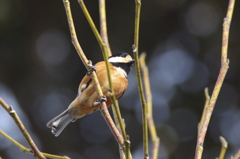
{"x": 90, "y": 67}
{"x": 99, "y": 100}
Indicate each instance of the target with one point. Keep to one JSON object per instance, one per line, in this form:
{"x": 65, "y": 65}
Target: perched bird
{"x": 87, "y": 100}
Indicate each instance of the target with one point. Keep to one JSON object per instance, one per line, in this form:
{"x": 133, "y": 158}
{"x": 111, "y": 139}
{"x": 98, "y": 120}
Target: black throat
{"x": 125, "y": 66}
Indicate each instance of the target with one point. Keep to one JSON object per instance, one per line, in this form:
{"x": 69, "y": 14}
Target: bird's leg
{"x": 99, "y": 100}
{"x": 90, "y": 68}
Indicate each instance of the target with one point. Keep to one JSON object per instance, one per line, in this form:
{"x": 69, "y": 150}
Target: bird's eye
{"x": 124, "y": 55}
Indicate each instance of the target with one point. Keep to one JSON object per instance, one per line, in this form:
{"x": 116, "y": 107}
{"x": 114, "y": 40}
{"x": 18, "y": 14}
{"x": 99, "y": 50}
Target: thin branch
{"x": 237, "y": 156}
{"x": 88, "y": 65}
{"x": 116, "y": 111}
{"x": 104, "y": 36}
{"x": 151, "y": 125}
{"x": 23, "y": 130}
{"x": 221, "y": 76}
{"x": 103, "y": 25}
{"x": 224, "y": 147}
{"x": 26, "y": 150}
{"x": 139, "y": 80}
{"x": 103, "y": 42}
{"x": 207, "y": 99}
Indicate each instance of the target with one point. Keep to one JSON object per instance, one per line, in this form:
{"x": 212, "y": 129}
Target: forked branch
{"x": 88, "y": 65}
{"x": 104, "y": 44}
{"x": 218, "y": 85}
{"x": 22, "y": 128}
{"x": 26, "y": 150}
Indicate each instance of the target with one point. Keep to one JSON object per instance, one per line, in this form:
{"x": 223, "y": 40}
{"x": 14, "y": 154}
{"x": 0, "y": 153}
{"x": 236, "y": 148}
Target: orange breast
{"x": 83, "y": 104}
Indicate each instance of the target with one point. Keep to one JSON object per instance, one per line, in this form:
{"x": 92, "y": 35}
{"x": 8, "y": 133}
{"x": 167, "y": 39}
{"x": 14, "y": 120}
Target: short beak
{"x": 132, "y": 61}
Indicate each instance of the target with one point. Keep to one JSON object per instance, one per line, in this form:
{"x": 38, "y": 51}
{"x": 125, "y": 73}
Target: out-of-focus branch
{"x": 218, "y": 85}
{"x": 26, "y": 150}
{"x": 224, "y": 147}
{"x": 88, "y": 65}
{"x": 139, "y": 79}
{"x": 151, "y": 125}
{"x": 103, "y": 25}
{"x": 237, "y": 156}
{"x": 22, "y": 128}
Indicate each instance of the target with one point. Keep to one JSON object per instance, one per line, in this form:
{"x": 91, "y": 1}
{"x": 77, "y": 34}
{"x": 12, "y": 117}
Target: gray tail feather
{"x": 58, "y": 123}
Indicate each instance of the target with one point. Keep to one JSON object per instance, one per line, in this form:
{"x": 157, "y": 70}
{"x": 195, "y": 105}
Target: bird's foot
{"x": 90, "y": 68}
{"x": 99, "y": 100}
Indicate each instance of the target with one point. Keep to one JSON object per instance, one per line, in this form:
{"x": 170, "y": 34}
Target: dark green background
{"x": 40, "y": 72}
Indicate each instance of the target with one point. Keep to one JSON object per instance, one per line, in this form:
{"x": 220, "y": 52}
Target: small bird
{"x": 87, "y": 100}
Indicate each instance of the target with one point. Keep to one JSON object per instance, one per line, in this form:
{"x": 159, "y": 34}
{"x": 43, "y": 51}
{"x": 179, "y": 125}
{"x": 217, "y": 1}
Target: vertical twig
{"x": 22, "y": 128}
{"x": 139, "y": 80}
{"x": 224, "y": 148}
{"x": 103, "y": 25}
{"x": 103, "y": 42}
{"x": 221, "y": 76}
{"x": 87, "y": 63}
{"x": 26, "y": 150}
{"x": 207, "y": 97}
{"x": 116, "y": 111}
{"x": 151, "y": 125}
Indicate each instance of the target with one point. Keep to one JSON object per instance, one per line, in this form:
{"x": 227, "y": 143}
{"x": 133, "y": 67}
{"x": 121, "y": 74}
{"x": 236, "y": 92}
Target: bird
{"x": 87, "y": 100}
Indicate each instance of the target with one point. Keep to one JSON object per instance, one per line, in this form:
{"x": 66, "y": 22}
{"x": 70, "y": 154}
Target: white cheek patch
{"x": 117, "y": 59}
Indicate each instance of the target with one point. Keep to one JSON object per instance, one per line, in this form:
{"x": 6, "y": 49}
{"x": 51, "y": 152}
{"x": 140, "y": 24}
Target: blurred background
{"x": 40, "y": 72}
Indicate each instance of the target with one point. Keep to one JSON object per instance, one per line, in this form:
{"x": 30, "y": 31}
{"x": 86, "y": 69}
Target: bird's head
{"x": 122, "y": 60}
